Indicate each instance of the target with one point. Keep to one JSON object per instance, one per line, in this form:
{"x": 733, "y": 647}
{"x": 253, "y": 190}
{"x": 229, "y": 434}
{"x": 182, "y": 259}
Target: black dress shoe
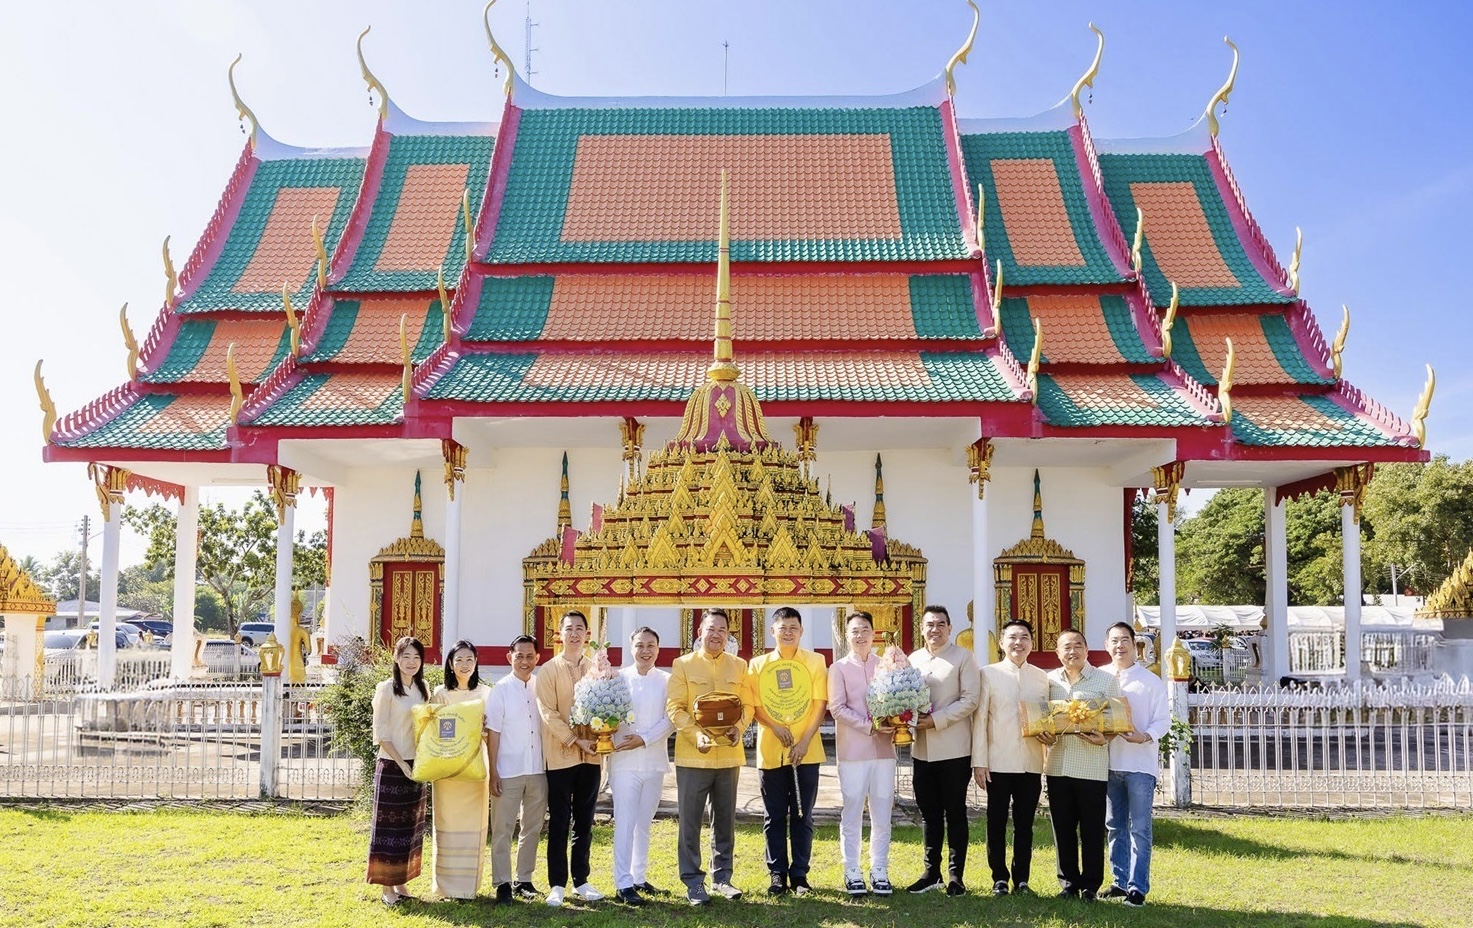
{"x": 1069, "y": 892}
{"x": 630, "y": 896}
{"x": 800, "y": 886}
{"x": 503, "y": 892}
{"x": 1000, "y": 888}
{"x": 525, "y": 891}
{"x": 650, "y": 890}
{"x": 1087, "y": 895}
{"x": 1114, "y": 892}
{"x": 955, "y": 888}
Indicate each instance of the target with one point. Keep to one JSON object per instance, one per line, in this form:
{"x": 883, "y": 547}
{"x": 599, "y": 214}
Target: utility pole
{"x": 82, "y": 574}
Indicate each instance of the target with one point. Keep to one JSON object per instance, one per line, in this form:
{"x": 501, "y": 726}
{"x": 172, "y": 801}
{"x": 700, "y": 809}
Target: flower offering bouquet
{"x": 898, "y": 694}
{"x": 601, "y": 701}
{"x": 1072, "y": 716}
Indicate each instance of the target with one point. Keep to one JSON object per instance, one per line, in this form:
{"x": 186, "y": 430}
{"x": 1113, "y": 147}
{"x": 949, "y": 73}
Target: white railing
{"x": 1383, "y": 653}
{"x": 1392, "y": 745}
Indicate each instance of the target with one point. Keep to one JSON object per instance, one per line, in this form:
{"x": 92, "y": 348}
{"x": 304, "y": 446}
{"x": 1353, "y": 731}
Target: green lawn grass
{"x": 77, "y": 867}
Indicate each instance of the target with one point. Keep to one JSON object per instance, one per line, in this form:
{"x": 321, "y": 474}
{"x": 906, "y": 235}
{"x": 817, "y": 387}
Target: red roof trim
{"x": 95, "y": 414}
{"x": 1261, "y": 254}
{"x": 738, "y": 268}
{"x": 212, "y": 239}
{"x": 373, "y": 176}
{"x": 501, "y": 156}
{"x": 966, "y": 210}
{"x": 54, "y": 454}
{"x": 1094, "y": 194}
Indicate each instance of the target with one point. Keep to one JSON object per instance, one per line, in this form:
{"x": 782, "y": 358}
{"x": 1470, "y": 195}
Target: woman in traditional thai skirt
{"x": 460, "y": 806}
{"x": 397, "y": 836}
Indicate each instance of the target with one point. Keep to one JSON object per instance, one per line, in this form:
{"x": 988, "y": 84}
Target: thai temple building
{"x": 644, "y": 356}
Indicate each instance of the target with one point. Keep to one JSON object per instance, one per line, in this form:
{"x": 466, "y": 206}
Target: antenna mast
{"x": 725, "y": 58}
{"x": 527, "y": 71}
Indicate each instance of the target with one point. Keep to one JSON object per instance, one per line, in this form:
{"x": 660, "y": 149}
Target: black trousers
{"x": 571, "y": 794}
{"x": 783, "y": 795}
{"x": 1020, "y": 791}
{"x": 941, "y": 793}
{"x": 1078, "y": 810}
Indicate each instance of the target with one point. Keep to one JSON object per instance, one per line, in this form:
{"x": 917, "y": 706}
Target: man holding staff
{"x": 789, "y": 687}
{"x": 706, "y": 764}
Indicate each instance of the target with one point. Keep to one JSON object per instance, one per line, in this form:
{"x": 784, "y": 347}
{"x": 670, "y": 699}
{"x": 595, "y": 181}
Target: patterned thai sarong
{"x": 396, "y": 838}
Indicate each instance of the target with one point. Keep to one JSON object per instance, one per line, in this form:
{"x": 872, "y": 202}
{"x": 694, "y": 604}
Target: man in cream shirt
{"x": 1006, "y": 764}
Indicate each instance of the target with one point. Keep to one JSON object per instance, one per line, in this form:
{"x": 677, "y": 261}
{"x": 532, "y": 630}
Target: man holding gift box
{"x": 1078, "y": 768}
{"x": 1134, "y": 757}
{"x": 942, "y": 754}
{"x": 706, "y": 765}
{"x": 1005, "y": 762}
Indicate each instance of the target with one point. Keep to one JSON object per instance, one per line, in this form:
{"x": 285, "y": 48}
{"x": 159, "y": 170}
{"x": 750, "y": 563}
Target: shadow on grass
{"x": 45, "y": 813}
{"x": 1181, "y": 835}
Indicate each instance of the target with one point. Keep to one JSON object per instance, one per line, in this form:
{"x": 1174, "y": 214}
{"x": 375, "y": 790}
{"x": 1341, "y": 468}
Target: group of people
{"x": 538, "y": 763}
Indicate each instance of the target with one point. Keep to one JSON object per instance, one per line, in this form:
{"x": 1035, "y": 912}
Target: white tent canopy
{"x": 1301, "y": 618}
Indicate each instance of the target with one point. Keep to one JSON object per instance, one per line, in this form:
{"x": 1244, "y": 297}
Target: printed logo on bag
{"x": 785, "y": 679}
{"x": 447, "y": 729}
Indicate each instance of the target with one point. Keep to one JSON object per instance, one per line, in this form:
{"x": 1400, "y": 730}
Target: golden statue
{"x": 299, "y": 644}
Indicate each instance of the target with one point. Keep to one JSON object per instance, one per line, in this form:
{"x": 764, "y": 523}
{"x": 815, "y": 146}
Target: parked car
{"x": 161, "y": 628}
{"x": 133, "y": 633}
{"x": 1207, "y": 655}
{"x": 75, "y": 639}
{"x": 221, "y": 655}
{"x": 254, "y": 633}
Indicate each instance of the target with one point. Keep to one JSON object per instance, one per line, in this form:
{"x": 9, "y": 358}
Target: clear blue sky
{"x": 1349, "y": 120}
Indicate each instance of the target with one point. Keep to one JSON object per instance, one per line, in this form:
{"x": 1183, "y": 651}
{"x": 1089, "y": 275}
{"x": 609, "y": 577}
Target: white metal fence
{"x": 1394, "y": 745}
{"x": 167, "y": 741}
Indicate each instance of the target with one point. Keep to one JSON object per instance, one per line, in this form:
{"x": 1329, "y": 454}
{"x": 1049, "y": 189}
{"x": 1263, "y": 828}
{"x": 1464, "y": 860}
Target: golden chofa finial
{"x": 408, "y": 375}
{"x": 321, "y": 247}
{"x": 291, "y": 316}
{"x": 1294, "y": 262}
{"x": 129, "y": 342}
{"x": 995, "y": 330}
{"x": 48, "y": 406}
{"x": 1088, "y": 80}
{"x": 1169, "y": 321}
{"x": 961, "y": 54}
{"x": 237, "y": 396}
{"x": 171, "y": 277}
{"x": 980, "y": 228}
{"x": 502, "y": 58}
{"x": 1337, "y": 347}
{"x": 1225, "y": 383}
{"x": 1223, "y": 92}
{"x": 722, "y": 368}
{"x": 444, "y": 302}
{"x": 372, "y": 82}
{"x": 1035, "y": 359}
{"x": 470, "y": 227}
{"x": 1136, "y": 260}
{"x": 242, "y": 111}
{"x": 1419, "y": 414}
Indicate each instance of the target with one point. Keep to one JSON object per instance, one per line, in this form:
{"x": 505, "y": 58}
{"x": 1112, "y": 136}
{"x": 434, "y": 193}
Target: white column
{"x": 982, "y": 591}
{"x": 1180, "y": 767}
{"x": 1276, "y": 587}
{"x": 107, "y": 655}
{"x": 285, "y": 530}
{"x": 186, "y": 540}
{"x": 271, "y": 733}
{"x": 450, "y": 615}
{"x": 1166, "y": 556}
{"x": 1350, "y": 530}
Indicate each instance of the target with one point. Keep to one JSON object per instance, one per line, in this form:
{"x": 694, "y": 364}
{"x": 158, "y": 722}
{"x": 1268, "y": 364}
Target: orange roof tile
{"x": 350, "y": 391}
{"x": 1033, "y": 213}
{"x": 1112, "y": 391}
{"x": 286, "y": 252}
{"x": 189, "y": 414}
{"x": 427, "y": 217}
{"x": 766, "y": 307}
{"x": 375, "y": 335}
{"x": 1179, "y": 237}
{"x": 811, "y": 370}
{"x": 1074, "y": 330}
{"x": 1286, "y": 412}
{"x": 255, "y": 341}
{"x": 1254, "y": 360}
{"x": 641, "y": 188}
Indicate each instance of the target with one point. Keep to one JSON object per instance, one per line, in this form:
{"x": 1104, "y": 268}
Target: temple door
{"x": 411, "y": 605}
{"x": 1041, "y": 598}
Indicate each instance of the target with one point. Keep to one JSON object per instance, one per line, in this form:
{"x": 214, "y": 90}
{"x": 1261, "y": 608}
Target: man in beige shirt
{"x": 941, "y": 757}
{"x": 1006, "y": 764}
{"x": 573, "y": 768}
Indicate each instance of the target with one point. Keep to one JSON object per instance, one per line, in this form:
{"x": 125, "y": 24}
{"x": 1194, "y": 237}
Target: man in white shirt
{"x": 518, "y": 775}
{"x": 1006, "y": 764}
{"x": 638, "y": 766}
{"x": 1134, "y": 758}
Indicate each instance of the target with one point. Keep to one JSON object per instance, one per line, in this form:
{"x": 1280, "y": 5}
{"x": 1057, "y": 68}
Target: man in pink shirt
{"x": 866, "y": 761}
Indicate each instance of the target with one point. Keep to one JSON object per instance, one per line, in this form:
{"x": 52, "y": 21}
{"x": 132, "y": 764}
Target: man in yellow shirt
{"x": 789, "y": 689}
{"x": 706, "y": 768}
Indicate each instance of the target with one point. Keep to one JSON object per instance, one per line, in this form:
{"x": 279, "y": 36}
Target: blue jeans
{"x": 1128, "y": 821}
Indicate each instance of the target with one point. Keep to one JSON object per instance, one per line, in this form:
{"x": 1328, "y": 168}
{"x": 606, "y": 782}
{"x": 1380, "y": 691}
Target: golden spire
{"x": 237, "y": 395}
{"x": 564, "y": 507}
{"x": 1037, "y": 530}
{"x": 877, "y": 521}
{"x": 1337, "y": 347}
{"x": 1088, "y": 79}
{"x": 961, "y": 54}
{"x": 1034, "y": 359}
{"x": 404, "y": 380}
{"x": 1424, "y": 406}
{"x": 372, "y": 82}
{"x": 1140, "y": 238}
{"x": 417, "y": 522}
{"x": 444, "y": 302}
{"x": 242, "y": 111}
{"x": 1225, "y": 383}
{"x": 1223, "y": 92}
{"x": 470, "y": 227}
{"x": 1169, "y": 321}
{"x": 291, "y": 316}
{"x": 321, "y": 254}
{"x": 722, "y": 369}
{"x": 129, "y": 342}
{"x": 171, "y": 277}
{"x": 502, "y": 58}
{"x": 1294, "y": 262}
{"x": 48, "y": 406}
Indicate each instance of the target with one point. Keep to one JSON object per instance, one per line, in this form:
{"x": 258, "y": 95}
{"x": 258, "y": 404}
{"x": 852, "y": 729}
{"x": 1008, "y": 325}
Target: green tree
{"x": 1220, "y": 550}
{"x": 1315, "y": 550}
{"x": 1420, "y": 518}
{"x": 237, "y": 552}
{"x": 143, "y": 587}
{"x": 60, "y": 577}
{"x": 1145, "y": 574}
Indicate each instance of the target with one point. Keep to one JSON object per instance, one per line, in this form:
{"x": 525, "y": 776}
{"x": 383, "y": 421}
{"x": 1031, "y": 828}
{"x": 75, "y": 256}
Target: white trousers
{"x": 861, "y": 780}
{"x": 636, "y": 797}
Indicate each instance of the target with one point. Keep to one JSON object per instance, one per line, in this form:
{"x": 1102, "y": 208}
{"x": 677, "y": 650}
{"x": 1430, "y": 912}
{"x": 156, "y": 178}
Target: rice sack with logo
{"x": 448, "y": 741}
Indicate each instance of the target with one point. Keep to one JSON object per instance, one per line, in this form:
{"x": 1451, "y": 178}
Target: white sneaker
{"x": 555, "y": 898}
{"x": 727, "y": 890}
{"x": 587, "y": 893}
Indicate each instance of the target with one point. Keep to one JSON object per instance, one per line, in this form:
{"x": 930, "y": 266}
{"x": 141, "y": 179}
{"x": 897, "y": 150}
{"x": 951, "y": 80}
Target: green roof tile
{"x": 335, "y": 334}
{"x": 1347, "y": 429}
{"x": 511, "y": 309}
{"x": 941, "y": 306}
{"x": 126, "y": 430}
{"x": 1286, "y": 351}
{"x": 1167, "y": 407}
{"x": 289, "y": 409}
